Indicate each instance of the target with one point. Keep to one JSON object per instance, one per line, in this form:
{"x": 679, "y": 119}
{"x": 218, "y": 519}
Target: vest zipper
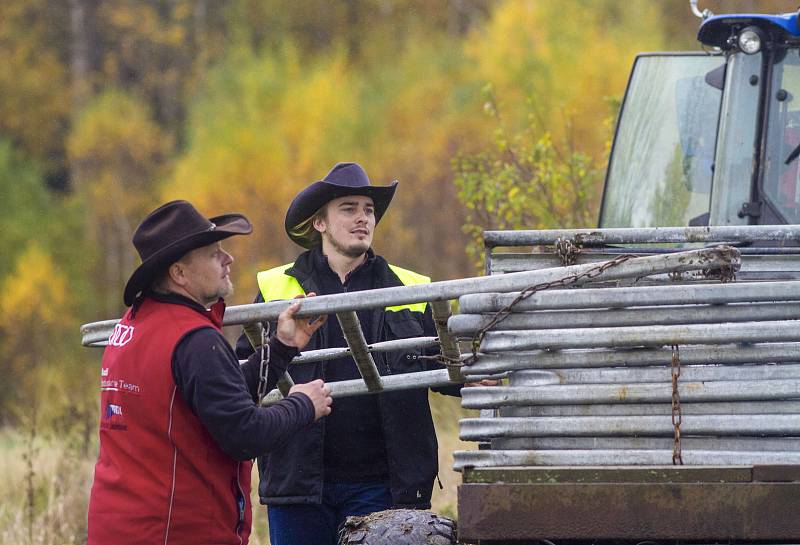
{"x": 241, "y": 503}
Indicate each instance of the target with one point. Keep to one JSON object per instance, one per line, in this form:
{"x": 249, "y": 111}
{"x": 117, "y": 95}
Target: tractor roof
{"x": 718, "y": 29}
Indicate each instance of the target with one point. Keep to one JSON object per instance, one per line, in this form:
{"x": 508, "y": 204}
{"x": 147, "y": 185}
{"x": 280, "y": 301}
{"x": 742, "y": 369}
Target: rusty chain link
{"x": 567, "y": 251}
{"x": 677, "y": 417}
{"x": 504, "y": 312}
{"x": 262, "y": 369}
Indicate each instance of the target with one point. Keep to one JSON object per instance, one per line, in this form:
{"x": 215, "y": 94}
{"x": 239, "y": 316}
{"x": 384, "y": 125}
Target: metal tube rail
{"x": 753, "y": 292}
{"x": 649, "y": 235}
{"x": 391, "y": 383}
{"x": 467, "y": 324}
{"x": 689, "y": 373}
{"x": 566, "y": 394}
{"x": 731, "y": 354}
{"x": 757, "y": 444}
{"x": 775, "y": 266}
{"x": 511, "y": 458}
{"x": 638, "y": 409}
{"x": 384, "y": 346}
{"x": 351, "y": 328}
{"x": 756, "y": 425}
{"x": 693, "y": 260}
{"x": 609, "y": 337}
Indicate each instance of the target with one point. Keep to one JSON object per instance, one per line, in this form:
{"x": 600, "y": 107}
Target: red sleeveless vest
{"x": 160, "y": 477}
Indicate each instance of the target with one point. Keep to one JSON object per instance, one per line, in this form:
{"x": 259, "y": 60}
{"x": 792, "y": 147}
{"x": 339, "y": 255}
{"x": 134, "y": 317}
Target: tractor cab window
{"x": 781, "y": 181}
{"x": 662, "y": 161}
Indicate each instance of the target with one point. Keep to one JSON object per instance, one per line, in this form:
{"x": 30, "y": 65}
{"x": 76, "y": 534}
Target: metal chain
{"x": 263, "y": 367}
{"x": 504, "y": 312}
{"x": 567, "y": 251}
{"x": 677, "y": 417}
{"x": 726, "y": 272}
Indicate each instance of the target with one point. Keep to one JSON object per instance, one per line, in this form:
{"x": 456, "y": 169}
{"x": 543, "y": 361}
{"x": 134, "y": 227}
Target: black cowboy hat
{"x": 344, "y": 179}
{"x": 169, "y": 232}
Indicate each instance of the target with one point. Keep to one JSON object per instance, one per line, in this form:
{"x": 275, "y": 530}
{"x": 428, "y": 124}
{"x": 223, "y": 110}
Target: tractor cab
{"x": 711, "y": 137}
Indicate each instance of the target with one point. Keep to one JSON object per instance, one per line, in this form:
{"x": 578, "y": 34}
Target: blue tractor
{"x": 711, "y": 137}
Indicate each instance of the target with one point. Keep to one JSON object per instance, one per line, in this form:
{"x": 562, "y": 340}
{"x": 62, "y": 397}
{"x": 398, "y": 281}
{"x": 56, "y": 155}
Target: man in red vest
{"x": 179, "y": 420}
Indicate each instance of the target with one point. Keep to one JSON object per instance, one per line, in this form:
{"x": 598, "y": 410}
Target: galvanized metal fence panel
{"x": 647, "y": 409}
{"x": 651, "y": 335}
{"x": 778, "y": 234}
{"x": 747, "y": 444}
{"x": 753, "y": 425}
{"x": 591, "y": 381}
{"x": 753, "y": 266}
{"x": 617, "y": 457}
{"x": 725, "y": 354}
{"x": 468, "y": 324}
{"x": 602, "y": 298}
{"x": 689, "y": 391}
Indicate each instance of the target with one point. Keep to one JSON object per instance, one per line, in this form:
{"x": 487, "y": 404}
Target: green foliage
{"x": 35, "y": 105}
{"x": 26, "y": 207}
{"x": 673, "y": 197}
{"x": 525, "y": 181}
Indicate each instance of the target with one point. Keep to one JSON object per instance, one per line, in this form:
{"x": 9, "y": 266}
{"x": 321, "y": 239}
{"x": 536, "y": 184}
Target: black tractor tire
{"x": 399, "y": 527}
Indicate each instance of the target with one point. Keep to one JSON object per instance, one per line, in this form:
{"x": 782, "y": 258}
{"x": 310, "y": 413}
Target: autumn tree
{"x": 121, "y": 151}
{"x": 526, "y": 181}
{"x": 35, "y": 319}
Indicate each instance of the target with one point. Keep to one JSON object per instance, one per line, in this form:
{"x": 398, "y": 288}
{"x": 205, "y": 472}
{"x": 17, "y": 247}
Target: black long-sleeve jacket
{"x": 222, "y": 393}
{"x": 295, "y": 473}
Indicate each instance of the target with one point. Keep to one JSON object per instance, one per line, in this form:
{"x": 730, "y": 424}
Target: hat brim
{"x": 318, "y": 194}
{"x": 227, "y": 225}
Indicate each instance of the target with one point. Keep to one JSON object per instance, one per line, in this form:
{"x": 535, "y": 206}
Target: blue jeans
{"x": 319, "y": 524}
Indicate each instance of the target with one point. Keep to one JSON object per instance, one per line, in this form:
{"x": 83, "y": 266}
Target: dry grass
{"x": 44, "y": 489}
{"x": 44, "y": 502}
{"x": 446, "y": 413}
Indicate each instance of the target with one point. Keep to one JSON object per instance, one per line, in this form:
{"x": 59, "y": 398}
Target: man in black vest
{"x": 373, "y": 452}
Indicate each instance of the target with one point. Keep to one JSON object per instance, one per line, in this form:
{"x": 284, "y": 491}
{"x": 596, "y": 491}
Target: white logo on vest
{"x": 121, "y": 336}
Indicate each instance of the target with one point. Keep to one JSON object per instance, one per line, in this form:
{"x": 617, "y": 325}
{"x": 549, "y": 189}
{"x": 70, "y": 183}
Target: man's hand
{"x": 320, "y": 395}
{"x": 297, "y": 331}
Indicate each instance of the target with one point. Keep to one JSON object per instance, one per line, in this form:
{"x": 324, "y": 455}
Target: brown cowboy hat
{"x": 169, "y": 232}
{"x": 343, "y": 180}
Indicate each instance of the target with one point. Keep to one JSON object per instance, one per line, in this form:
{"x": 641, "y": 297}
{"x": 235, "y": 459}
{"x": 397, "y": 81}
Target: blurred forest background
{"x": 490, "y": 113}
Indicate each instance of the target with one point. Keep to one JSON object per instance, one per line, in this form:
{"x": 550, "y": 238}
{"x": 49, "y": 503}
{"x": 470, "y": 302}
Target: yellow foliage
{"x": 285, "y": 125}
{"x": 568, "y": 57}
{"x": 35, "y": 294}
{"x": 35, "y": 322}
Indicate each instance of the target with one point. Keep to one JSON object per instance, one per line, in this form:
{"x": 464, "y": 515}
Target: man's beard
{"x": 222, "y": 292}
{"x": 353, "y": 251}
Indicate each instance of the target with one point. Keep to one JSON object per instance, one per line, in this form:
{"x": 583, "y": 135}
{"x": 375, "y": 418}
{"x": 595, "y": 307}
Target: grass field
{"x": 45, "y": 481}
